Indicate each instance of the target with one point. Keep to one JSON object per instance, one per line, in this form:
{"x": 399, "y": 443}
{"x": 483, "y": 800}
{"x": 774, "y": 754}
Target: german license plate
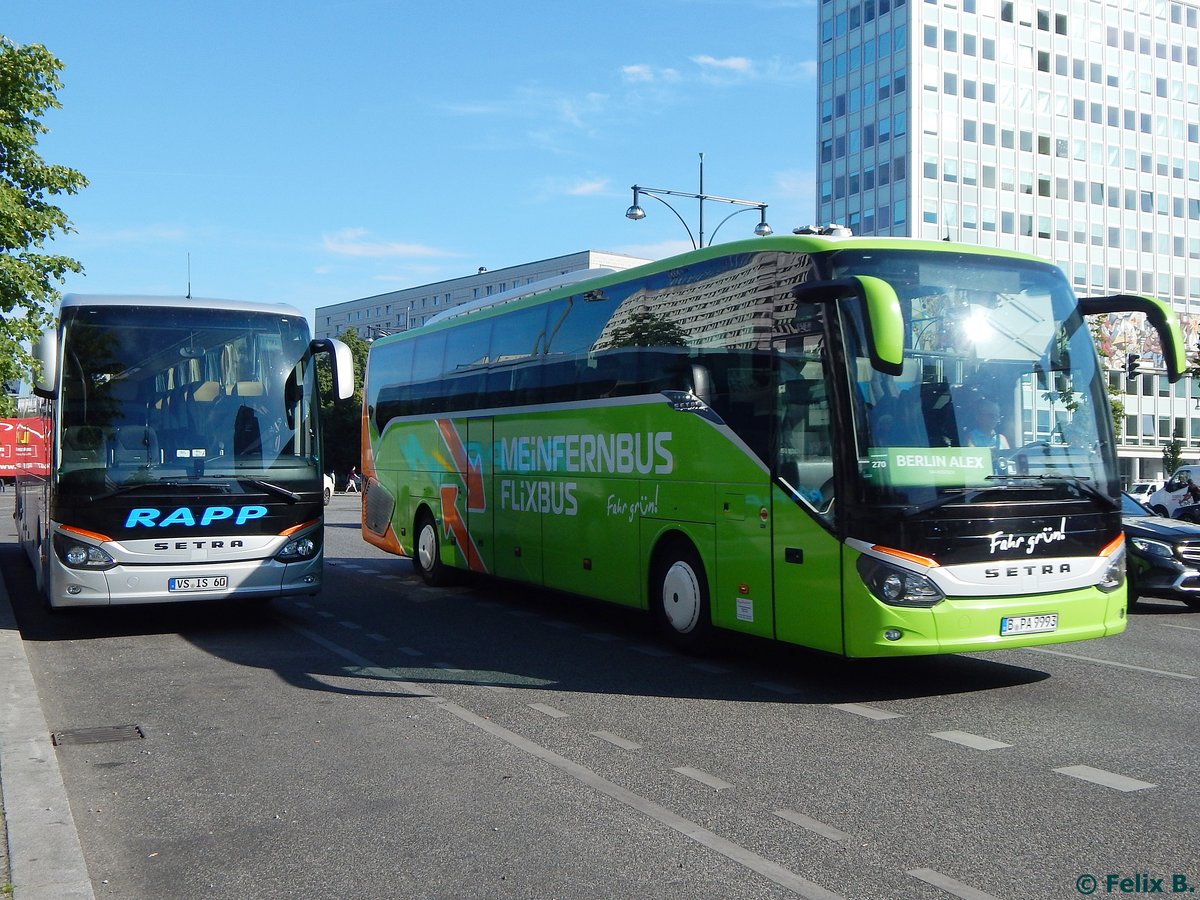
{"x": 1028, "y": 624}
{"x": 199, "y": 583}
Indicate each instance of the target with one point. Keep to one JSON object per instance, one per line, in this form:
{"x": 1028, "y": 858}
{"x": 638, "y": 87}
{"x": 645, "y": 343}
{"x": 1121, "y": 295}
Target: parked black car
{"x": 1163, "y": 555}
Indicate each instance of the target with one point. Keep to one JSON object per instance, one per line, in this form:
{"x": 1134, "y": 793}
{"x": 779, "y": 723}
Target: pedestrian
{"x": 351, "y": 480}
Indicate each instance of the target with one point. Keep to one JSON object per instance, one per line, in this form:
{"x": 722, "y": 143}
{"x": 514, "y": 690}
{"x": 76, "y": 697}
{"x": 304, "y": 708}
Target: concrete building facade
{"x": 1069, "y": 129}
{"x": 410, "y": 307}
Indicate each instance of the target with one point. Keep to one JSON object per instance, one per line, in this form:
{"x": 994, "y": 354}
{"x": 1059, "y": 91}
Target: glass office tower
{"x": 1063, "y": 128}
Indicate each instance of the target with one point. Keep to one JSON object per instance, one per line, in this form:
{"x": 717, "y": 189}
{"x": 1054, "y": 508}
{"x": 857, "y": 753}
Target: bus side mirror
{"x": 342, "y": 364}
{"x": 881, "y": 312}
{"x": 1161, "y": 316}
{"x": 45, "y": 351}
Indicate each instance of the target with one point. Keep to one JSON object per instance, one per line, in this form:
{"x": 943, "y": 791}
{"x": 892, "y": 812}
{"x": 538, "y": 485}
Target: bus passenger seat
{"x": 135, "y": 445}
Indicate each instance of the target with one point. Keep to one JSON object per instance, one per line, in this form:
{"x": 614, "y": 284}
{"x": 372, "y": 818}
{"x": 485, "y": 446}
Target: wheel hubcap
{"x": 427, "y": 548}
{"x": 681, "y": 597}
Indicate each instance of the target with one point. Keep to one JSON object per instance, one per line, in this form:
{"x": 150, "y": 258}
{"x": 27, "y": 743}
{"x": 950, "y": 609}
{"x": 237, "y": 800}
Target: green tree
{"x": 28, "y": 276}
{"x": 1172, "y": 453}
{"x": 341, "y": 420}
{"x": 646, "y": 329}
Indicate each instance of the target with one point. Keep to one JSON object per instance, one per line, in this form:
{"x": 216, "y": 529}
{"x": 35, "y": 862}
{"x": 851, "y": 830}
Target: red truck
{"x": 23, "y": 446}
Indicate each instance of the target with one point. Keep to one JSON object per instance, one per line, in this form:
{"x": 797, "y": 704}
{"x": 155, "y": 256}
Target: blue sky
{"x": 316, "y": 152}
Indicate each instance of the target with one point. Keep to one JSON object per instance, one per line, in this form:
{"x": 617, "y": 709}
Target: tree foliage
{"x": 341, "y": 420}
{"x": 28, "y": 275}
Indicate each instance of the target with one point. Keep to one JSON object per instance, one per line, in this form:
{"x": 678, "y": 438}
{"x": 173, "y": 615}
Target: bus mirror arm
{"x": 1161, "y": 316}
{"x": 45, "y": 351}
{"x": 881, "y": 313}
{"x": 342, "y": 364}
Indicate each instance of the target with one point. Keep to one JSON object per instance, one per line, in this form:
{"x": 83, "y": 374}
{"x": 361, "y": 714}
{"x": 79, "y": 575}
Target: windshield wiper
{"x": 213, "y": 487}
{"x": 1083, "y": 482}
{"x": 145, "y": 485}
{"x": 278, "y": 490}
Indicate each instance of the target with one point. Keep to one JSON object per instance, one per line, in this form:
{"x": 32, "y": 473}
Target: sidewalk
{"x": 44, "y": 857}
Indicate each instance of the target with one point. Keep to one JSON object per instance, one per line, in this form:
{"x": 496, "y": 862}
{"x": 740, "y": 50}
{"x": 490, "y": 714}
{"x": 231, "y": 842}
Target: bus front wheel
{"x": 679, "y": 598}
{"x": 428, "y": 558}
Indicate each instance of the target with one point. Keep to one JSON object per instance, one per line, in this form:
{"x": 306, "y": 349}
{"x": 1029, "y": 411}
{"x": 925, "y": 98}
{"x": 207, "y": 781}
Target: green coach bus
{"x": 868, "y": 446}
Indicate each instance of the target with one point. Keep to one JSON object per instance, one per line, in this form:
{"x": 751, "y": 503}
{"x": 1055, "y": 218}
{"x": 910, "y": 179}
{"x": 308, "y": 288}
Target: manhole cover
{"x": 103, "y": 735}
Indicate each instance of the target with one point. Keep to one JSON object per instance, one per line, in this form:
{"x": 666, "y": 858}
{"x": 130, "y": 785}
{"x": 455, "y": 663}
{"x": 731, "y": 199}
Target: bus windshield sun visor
{"x": 881, "y": 312}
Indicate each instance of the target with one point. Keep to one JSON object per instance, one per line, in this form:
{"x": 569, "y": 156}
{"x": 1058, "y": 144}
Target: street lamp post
{"x": 635, "y": 212}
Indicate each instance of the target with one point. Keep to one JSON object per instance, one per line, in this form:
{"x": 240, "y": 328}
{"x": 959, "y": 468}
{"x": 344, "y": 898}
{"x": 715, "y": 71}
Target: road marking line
{"x": 549, "y": 711}
{"x": 1109, "y": 662}
{"x": 615, "y": 740}
{"x": 784, "y": 877}
{"x": 411, "y": 651}
{"x": 949, "y": 885}
{"x": 353, "y": 626}
{"x": 867, "y": 712}
{"x": 704, "y": 778}
{"x": 375, "y": 636}
{"x": 602, "y": 636}
{"x": 974, "y": 741}
{"x": 1170, "y": 625}
{"x": 826, "y": 831}
{"x": 324, "y": 614}
{"x": 1105, "y": 779}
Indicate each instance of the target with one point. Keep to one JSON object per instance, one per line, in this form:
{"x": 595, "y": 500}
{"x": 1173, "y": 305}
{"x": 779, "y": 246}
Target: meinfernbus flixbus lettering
{"x": 186, "y": 452}
{"x": 868, "y": 446}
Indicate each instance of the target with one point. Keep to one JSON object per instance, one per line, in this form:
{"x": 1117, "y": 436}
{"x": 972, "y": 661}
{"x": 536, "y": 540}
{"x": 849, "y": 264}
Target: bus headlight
{"x": 898, "y": 587}
{"x": 299, "y": 548}
{"x": 78, "y": 555}
{"x": 1114, "y": 572}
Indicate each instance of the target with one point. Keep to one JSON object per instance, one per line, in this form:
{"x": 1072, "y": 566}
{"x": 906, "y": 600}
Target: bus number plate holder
{"x": 1039, "y": 624}
{"x": 199, "y": 583}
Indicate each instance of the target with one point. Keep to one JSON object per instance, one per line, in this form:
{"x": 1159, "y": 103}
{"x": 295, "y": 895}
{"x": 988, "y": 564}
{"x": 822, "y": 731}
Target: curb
{"x": 44, "y": 854}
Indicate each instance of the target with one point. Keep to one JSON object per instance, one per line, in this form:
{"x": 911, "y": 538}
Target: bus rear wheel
{"x": 428, "y": 556}
{"x": 679, "y": 598}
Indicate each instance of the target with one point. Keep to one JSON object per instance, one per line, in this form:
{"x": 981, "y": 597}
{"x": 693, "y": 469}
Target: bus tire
{"x": 427, "y": 555}
{"x": 679, "y": 597}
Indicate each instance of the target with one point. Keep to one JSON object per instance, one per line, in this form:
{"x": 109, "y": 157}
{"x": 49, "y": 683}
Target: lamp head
{"x": 762, "y": 229}
{"x": 635, "y": 212}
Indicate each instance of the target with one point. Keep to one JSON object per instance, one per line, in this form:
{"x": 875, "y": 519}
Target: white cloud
{"x": 729, "y": 63}
{"x": 352, "y": 242}
{"x": 588, "y": 188}
{"x": 640, "y": 73}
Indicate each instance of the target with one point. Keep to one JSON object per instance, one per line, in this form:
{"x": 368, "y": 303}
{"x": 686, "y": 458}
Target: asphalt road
{"x": 387, "y": 740}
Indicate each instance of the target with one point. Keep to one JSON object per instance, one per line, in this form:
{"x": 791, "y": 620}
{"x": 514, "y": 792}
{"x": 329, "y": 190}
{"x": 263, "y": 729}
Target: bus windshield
{"x": 152, "y": 396}
{"x": 1000, "y": 385}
